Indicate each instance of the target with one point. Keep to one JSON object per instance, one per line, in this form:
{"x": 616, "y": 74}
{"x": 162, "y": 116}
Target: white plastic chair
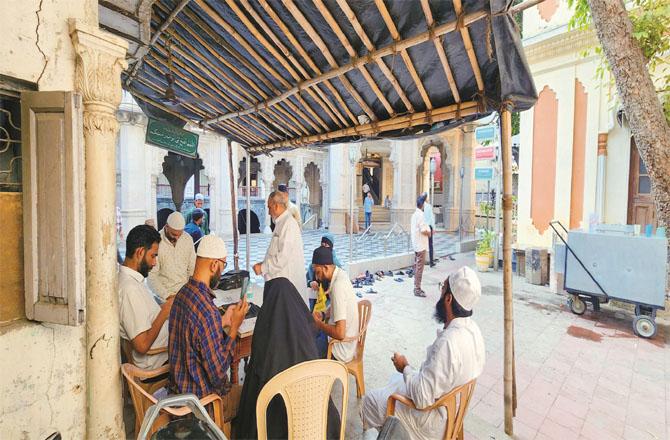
{"x": 306, "y": 389}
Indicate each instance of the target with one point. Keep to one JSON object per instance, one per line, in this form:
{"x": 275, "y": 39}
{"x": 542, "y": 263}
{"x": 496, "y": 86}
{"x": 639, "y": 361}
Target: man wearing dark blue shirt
{"x": 193, "y": 228}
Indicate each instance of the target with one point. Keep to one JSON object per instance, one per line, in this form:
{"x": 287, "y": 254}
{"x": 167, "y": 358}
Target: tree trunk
{"x": 638, "y": 95}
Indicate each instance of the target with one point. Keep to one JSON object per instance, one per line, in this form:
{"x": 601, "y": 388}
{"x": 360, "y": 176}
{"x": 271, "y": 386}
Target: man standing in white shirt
{"x": 343, "y": 312}
{"x": 176, "y": 258}
{"x": 429, "y": 218}
{"x": 420, "y": 232}
{"x": 455, "y": 358}
{"x": 143, "y": 322}
{"x": 284, "y": 257}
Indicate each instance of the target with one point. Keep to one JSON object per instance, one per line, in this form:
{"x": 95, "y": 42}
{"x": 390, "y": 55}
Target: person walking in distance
{"x": 367, "y": 207}
{"x": 420, "y": 232}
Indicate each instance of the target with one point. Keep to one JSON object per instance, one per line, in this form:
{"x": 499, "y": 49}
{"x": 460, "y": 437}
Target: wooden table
{"x": 242, "y": 351}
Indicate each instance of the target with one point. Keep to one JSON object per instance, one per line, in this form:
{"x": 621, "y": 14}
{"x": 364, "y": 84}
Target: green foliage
{"x": 484, "y": 245}
{"x": 516, "y": 123}
{"x": 651, "y": 21}
{"x": 486, "y": 208}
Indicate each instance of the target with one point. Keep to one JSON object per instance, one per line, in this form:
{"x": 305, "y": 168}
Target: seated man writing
{"x": 200, "y": 351}
{"x": 343, "y": 313}
{"x": 143, "y": 322}
{"x": 455, "y": 358}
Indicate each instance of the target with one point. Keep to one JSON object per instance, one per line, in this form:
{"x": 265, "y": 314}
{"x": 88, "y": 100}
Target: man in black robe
{"x": 283, "y": 337}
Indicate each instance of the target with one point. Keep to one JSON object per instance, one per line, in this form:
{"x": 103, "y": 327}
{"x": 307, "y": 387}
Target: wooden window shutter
{"x": 53, "y": 207}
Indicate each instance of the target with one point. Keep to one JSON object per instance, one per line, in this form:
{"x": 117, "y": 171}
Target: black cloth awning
{"x": 286, "y": 73}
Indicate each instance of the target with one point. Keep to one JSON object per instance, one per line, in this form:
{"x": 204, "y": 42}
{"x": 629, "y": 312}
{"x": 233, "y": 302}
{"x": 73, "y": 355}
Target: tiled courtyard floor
{"x": 583, "y": 377}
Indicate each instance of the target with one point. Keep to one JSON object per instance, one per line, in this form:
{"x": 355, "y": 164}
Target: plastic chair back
{"x": 306, "y": 390}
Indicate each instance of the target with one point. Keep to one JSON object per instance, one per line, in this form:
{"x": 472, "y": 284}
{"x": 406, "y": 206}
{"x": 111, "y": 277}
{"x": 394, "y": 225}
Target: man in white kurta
{"x": 284, "y": 257}
{"x": 456, "y": 357}
{"x": 176, "y": 258}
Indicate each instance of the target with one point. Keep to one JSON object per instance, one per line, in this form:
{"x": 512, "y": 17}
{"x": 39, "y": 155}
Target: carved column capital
{"x": 100, "y": 58}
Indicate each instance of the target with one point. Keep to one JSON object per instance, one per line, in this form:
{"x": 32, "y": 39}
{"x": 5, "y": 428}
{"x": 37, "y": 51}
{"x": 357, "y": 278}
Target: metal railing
{"x": 312, "y": 218}
{"x": 377, "y": 244}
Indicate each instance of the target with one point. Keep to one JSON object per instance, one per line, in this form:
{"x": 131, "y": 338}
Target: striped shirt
{"x": 200, "y": 352}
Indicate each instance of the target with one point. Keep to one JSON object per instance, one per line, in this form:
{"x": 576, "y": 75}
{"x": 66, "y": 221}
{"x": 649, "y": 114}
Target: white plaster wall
{"x": 618, "y": 166}
{"x": 534, "y": 24}
{"x": 43, "y": 380}
{"x": 20, "y": 56}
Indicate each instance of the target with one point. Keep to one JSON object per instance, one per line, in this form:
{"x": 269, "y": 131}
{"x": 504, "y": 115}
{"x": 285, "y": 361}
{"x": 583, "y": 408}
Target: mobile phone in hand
{"x": 245, "y": 288}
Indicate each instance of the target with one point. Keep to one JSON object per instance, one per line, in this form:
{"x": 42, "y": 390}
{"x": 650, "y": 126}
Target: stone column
{"x": 325, "y": 193}
{"x": 100, "y": 57}
{"x": 299, "y": 178}
{"x": 268, "y": 176}
{"x": 404, "y": 157}
{"x": 133, "y": 164}
{"x": 340, "y": 176}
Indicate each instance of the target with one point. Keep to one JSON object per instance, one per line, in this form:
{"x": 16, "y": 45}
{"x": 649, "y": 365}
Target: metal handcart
{"x": 599, "y": 266}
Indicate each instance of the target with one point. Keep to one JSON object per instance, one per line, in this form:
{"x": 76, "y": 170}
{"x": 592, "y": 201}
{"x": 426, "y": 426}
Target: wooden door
{"x": 641, "y": 209}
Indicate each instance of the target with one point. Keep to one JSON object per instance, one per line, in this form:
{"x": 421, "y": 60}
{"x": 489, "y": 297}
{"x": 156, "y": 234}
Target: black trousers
{"x": 430, "y": 247}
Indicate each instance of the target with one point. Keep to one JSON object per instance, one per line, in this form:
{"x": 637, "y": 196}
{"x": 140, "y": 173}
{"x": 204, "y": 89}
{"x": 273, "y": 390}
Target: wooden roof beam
{"x": 278, "y": 56}
{"x": 316, "y": 38}
{"x": 247, "y": 80}
{"x": 467, "y": 42}
{"x": 245, "y": 44}
{"x": 310, "y": 62}
{"x": 432, "y": 33}
{"x": 390, "y": 24}
{"x": 345, "y": 42}
{"x": 395, "y": 123}
{"x": 154, "y": 38}
{"x": 351, "y": 16}
{"x": 315, "y": 92}
{"x": 437, "y": 42}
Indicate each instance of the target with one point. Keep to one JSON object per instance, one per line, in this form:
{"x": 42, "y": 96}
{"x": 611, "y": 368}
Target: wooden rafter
{"x": 316, "y": 93}
{"x": 335, "y": 27}
{"x": 278, "y": 56}
{"x": 338, "y": 72}
{"x": 395, "y": 123}
{"x": 245, "y": 44}
{"x": 316, "y": 38}
{"x": 310, "y": 62}
{"x": 390, "y": 24}
{"x": 467, "y": 42}
{"x": 245, "y": 134}
{"x": 437, "y": 42}
{"x": 250, "y": 98}
{"x": 259, "y": 125}
{"x": 351, "y": 16}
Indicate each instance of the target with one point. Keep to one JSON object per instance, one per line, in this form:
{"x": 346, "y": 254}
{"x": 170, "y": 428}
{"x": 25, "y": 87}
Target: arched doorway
{"x": 283, "y": 173}
{"x": 242, "y": 222}
{"x": 242, "y": 179}
{"x": 312, "y": 193}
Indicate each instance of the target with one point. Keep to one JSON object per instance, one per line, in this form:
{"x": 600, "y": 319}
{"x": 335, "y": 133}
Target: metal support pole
{"x": 460, "y": 208}
{"x": 248, "y": 253}
{"x": 352, "y": 182}
{"x": 509, "y": 382}
{"x": 497, "y": 210}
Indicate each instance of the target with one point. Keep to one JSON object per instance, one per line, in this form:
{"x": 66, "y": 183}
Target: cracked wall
{"x": 43, "y": 375}
{"x": 35, "y": 40}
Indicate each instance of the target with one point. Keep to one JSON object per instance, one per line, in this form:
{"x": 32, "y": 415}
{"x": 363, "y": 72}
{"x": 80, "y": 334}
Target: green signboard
{"x": 175, "y": 139}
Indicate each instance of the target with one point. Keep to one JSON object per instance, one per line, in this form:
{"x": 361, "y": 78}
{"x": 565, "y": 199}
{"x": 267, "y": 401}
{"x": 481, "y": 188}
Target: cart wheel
{"x": 577, "y": 306}
{"x": 644, "y": 326}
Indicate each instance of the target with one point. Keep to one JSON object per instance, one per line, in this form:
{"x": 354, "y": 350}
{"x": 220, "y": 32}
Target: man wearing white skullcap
{"x": 176, "y": 258}
{"x": 200, "y": 352}
{"x": 455, "y": 358}
{"x": 198, "y": 203}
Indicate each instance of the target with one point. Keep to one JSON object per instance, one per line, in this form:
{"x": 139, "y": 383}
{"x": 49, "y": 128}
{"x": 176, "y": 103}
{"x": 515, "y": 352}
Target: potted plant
{"x": 484, "y": 251}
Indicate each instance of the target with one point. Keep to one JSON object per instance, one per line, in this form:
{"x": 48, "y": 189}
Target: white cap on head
{"x": 465, "y": 287}
{"x": 213, "y": 247}
{"x": 199, "y": 197}
{"x": 176, "y": 221}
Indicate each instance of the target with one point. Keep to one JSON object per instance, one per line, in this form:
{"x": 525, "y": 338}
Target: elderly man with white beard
{"x": 455, "y": 358}
{"x": 285, "y": 255}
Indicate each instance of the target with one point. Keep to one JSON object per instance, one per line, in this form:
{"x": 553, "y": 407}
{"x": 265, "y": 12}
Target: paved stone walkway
{"x": 372, "y": 247}
{"x": 585, "y": 377}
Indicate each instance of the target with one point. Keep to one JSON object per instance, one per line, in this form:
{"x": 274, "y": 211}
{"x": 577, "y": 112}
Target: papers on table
{"x": 247, "y": 326}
